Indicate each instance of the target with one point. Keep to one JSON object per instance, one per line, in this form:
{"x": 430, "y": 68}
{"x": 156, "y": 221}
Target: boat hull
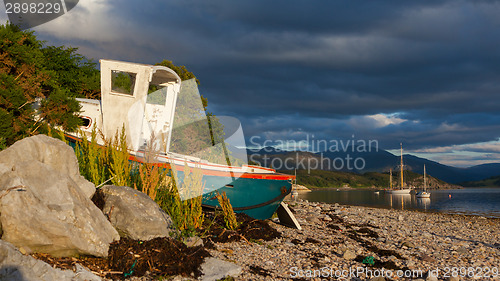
{"x": 400, "y": 191}
{"x": 423, "y": 195}
{"x": 258, "y": 198}
{"x": 256, "y": 194}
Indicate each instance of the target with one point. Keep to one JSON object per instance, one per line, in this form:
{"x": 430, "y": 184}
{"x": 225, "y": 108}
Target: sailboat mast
{"x": 425, "y": 180}
{"x": 390, "y": 178}
{"x": 295, "y": 177}
{"x": 402, "y": 182}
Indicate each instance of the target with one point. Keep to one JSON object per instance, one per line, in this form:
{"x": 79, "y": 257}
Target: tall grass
{"x": 100, "y": 164}
{"x": 93, "y": 159}
{"x": 119, "y": 166}
{"x": 187, "y": 214}
{"x": 152, "y": 177}
{"x": 227, "y": 211}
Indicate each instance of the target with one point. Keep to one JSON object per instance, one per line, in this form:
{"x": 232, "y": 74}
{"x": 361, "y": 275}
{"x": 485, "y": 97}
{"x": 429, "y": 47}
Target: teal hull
{"x": 258, "y": 198}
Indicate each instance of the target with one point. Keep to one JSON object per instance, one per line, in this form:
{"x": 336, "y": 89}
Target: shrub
{"x": 227, "y": 211}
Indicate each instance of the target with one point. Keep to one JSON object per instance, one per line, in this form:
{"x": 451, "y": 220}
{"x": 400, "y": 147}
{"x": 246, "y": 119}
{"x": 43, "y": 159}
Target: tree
{"x": 30, "y": 70}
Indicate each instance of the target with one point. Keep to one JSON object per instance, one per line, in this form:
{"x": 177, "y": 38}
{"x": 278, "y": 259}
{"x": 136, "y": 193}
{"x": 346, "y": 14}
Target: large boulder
{"x": 15, "y": 266}
{"x": 52, "y": 152}
{"x": 134, "y": 214}
{"x": 43, "y": 209}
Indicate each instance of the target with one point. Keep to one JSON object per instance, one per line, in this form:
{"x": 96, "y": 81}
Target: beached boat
{"x": 400, "y": 190}
{"x": 424, "y": 193}
{"x": 147, "y": 101}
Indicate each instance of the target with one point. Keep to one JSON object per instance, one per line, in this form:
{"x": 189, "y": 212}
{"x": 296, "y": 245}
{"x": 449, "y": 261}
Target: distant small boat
{"x": 424, "y": 193}
{"x": 401, "y": 190}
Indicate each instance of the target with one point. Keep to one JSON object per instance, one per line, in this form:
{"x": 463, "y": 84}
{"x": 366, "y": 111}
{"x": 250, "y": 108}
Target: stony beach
{"x": 360, "y": 243}
{"x": 56, "y": 226}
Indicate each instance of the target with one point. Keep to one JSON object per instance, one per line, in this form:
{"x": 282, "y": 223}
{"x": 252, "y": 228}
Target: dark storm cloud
{"x": 290, "y": 68}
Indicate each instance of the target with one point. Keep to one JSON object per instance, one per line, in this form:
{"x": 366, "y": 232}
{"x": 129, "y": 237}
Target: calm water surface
{"x": 470, "y": 201}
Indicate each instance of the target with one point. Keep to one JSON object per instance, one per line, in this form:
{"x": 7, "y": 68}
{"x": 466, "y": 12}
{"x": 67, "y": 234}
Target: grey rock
{"x": 462, "y": 250}
{"x": 215, "y": 269}
{"x": 48, "y": 211}
{"x": 15, "y": 266}
{"x": 427, "y": 235}
{"x": 193, "y": 241}
{"x": 52, "y": 152}
{"x": 349, "y": 255}
{"x": 83, "y": 274}
{"x": 426, "y": 258}
{"x": 408, "y": 244}
{"x": 313, "y": 219}
{"x": 134, "y": 214}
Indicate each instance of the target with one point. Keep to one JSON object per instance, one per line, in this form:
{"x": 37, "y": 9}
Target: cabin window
{"x": 85, "y": 122}
{"x": 157, "y": 94}
{"x": 122, "y": 82}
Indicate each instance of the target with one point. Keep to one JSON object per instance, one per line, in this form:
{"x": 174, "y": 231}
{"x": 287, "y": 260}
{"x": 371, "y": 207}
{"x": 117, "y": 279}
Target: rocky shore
{"x": 361, "y": 243}
{"x": 55, "y": 225}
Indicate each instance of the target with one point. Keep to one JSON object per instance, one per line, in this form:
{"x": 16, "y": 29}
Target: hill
{"x": 338, "y": 179}
{"x": 489, "y": 182}
{"x": 363, "y": 160}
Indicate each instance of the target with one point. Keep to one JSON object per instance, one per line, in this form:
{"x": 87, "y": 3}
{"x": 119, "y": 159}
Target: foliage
{"x": 59, "y": 108}
{"x": 100, "y": 164}
{"x": 321, "y": 178}
{"x": 152, "y": 177}
{"x": 119, "y": 166}
{"x": 72, "y": 71}
{"x": 337, "y": 179}
{"x": 227, "y": 211}
{"x": 181, "y": 70}
{"x": 30, "y": 70}
{"x": 3, "y": 145}
{"x": 489, "y": 182}
{"x": 93, "y": 159}
{"x": 122, "y": 82}
{"x": 187, "y": 214}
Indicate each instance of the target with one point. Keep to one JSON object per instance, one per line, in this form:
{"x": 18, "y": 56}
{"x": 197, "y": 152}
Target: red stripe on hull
{"x": 209, "y": 172}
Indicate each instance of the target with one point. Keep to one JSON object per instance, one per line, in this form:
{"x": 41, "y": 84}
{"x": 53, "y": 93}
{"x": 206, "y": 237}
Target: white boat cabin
{"x": 140, "y": 97}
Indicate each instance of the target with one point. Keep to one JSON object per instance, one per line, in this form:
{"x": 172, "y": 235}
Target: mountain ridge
{"x": 373, "y": 160}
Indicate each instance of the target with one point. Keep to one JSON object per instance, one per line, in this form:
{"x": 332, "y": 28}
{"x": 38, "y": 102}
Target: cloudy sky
{"x": 425, "y": 73}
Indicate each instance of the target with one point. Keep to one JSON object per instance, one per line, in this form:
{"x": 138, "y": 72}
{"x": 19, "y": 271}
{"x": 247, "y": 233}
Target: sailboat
{"x": 424, "y": 193}
{"x": 401, "y": 190}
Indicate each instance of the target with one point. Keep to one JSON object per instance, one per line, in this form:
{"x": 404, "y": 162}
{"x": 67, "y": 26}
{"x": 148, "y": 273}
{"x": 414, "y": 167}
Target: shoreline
{"x": 386, "y": 188}
{"x": 430, "y": 211}
{"x": 339, "y": 237}
{"x": 492, "y": 214}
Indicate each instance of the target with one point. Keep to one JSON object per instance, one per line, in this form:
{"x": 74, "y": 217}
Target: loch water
{"x": 469, "y": 201}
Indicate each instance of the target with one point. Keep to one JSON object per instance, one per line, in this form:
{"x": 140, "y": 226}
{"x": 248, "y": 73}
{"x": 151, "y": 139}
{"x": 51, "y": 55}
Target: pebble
{"x": 411, "y": 239}
{"x": 349, "y": 255}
